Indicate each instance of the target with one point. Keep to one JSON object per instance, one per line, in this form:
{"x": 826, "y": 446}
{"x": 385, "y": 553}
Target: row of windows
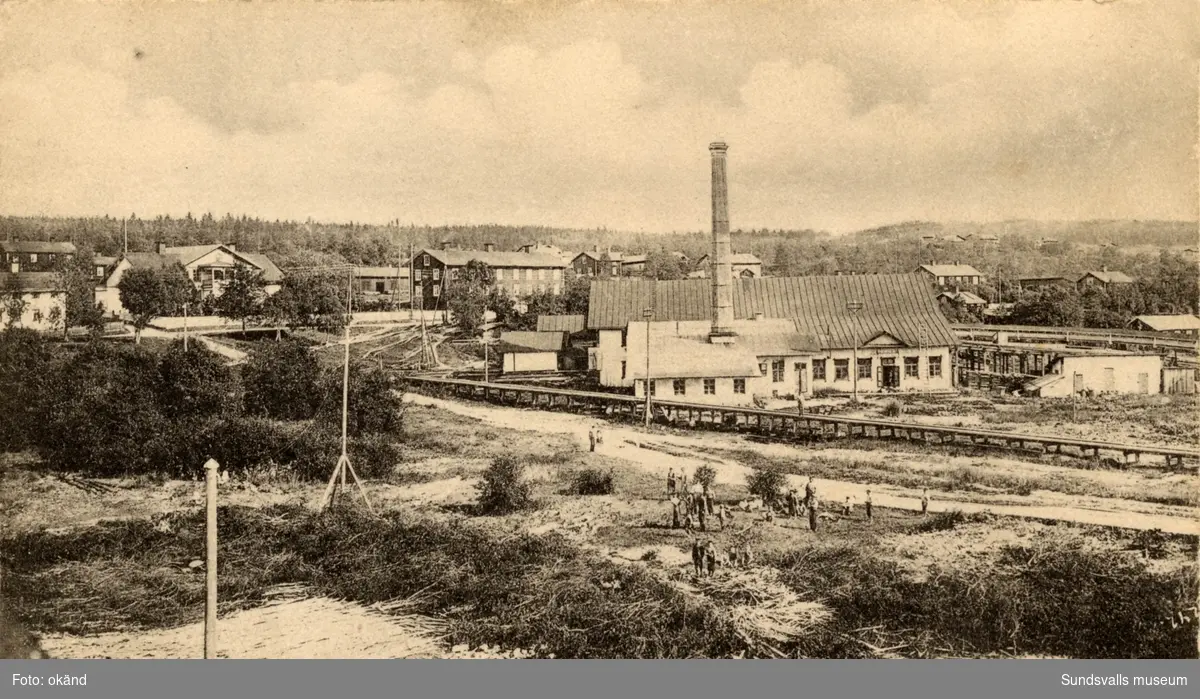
{"x": 841, "y": 367}
{"x": 502, "y": 273}
{"x": 31, "y": 257}
{"x": 515, "y": 289}
{"x": 679, "y": 386}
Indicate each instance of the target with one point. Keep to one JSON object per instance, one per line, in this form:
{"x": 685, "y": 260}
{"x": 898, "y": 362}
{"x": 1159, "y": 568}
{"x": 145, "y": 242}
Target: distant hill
{"x": 1122, "y": 233}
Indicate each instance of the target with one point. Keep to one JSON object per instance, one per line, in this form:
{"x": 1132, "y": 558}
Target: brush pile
{"x": 762, "y": 607}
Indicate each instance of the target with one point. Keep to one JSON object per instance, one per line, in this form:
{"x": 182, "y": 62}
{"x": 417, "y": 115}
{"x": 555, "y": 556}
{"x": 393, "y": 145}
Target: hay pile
{"x": 762, "y": 607}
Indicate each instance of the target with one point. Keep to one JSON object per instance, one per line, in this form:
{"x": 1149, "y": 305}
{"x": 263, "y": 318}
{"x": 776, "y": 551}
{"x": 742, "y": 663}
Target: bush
{"x": 893, "y": 409}
{"x": 766, "y": 484}
{"x": 26, "y": 366}
{"x": 372, "y": 406}
{"x": 593, "y": 481}
{"x": 283, "y": 381}
{"x": 504, "y": 488}
{"x": 195, "y": 383}
{"x": 946, "y": 521}
{"x": 705, "y": 475}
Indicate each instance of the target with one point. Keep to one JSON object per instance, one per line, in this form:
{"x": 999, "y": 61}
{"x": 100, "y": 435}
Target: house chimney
{"x": 595, "y": 248}
{"x": 445, "y": 244}
{"x": 722, "y": 278}
{"x": 161, "y": 248}
{"x": 489, "y": 247}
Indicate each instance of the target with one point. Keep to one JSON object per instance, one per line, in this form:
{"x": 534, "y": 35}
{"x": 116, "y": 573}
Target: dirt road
{"x": 692, "y": 451}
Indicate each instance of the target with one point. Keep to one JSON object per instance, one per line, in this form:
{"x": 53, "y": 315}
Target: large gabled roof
{"x": 562, "y": 323}
{"x": 37, "y": 246}
{"x": 31, "y": 281}
{"x": 1109, "y": 277}
{"x": 460, "y": 258}
{"x": 1170, "y": 322}
{"x": 524, "y": 342}
{"x": 898, "y": 304}
{"x": 951, "y": 270}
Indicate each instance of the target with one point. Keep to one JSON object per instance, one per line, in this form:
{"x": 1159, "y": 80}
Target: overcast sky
{"x": 838, "y": 115}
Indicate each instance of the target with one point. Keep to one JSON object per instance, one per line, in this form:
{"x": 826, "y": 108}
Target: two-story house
{"x": 31, "y": 271}
{"x": 1103, "y": 279}
{"x": 597, "y": 263}
{"x": 517, "y": 273}
{"x": 945, "y": 276}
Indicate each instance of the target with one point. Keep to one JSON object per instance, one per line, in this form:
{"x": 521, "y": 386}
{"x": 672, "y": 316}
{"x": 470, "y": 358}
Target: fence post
{"x": 210, "y": 566}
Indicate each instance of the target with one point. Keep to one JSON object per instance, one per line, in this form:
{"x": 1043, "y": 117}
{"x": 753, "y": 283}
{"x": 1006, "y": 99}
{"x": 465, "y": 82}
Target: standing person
{"x": 592, "y": 438}
{"x": 599, "y": 436}
{"x": 722, "y": 515}
{"x": 814, "y": 506}
{"x": 700, "y": 512}
{"x": 846, "y": 507}
{"x": 809, "y": 489}
{"x": 671, "y": 481}
{"x": 792, "y": 501}
{"x": 868, "y": 504}
{"x": 674, "y": 511}
{"x": 697, "y": 557}
{"x": 924, "y": 501}
{"x": 710, "y": 558}
{"x": 708, "y": 500}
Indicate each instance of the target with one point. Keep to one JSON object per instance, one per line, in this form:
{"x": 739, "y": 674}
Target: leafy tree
{"x": 150, "y": 293}
{"x": 312, "y": 300}
{"x": 662, "y": 266}
{"x": 282, "y": 380}
{"x": 504, "y": 487}
{"x": 503, "y": 305}
{"x": 15, "y": 303}
{"x": 783, "y": 259}
{"x": 576, "y": 294}
{"x": 468, "y": 296}
{"x": 195, "y": 383}
{"x": 25, "y": 373}
{"x": 373, "y": 407}
{"x": 243, "y": 296}
{"x": 766, "y": 484}
{"x": 1050, "y": 307}
{"x": 76, "y": 275}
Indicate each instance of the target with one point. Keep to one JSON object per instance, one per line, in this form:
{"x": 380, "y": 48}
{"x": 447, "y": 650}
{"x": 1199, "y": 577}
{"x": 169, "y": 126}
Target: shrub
{"x": 372, "y": 405}
{"x": 893, "y": 409}
{"x": 26, "y": 366}
{"x": 283, "y": 380}
{"x": 593, "y": 481}
{"x": 705, "y": 475}
{"x": 504, "y": 488}
{"x": 195, "y": 383}
{"x": 766, "y": 484}
{"x": 946, "y": 521}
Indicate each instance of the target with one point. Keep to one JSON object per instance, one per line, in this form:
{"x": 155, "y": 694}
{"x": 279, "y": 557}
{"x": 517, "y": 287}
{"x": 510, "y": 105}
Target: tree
{"x": 15, "y": 303}
{"x": 76, "y": 276}
{"x": 149, "y": 293}
{"x": 662, "y": 266}
{"x": 467, "y": 298}
{"x": 282, "y": 380}
{"x": 25, "y": 370}
{"x": 1054, "y": 308}
{"x": 243, "y": 296}
{"x": 312, "y": 300}
{"x": 195, "y": 383}
{"x": 373, "y": 407}
{"x": 783, "y": 259}
{"x": 576, "y": 295}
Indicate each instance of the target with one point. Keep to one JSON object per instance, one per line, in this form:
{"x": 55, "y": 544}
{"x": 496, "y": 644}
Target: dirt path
{"x": 620, "y": 441}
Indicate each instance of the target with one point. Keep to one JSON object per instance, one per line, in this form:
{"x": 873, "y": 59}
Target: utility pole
{"x": 854, "y": 307}
{"x": 125, "y": 235}
{"x": 648, "y": 314}
{"x": 484, "y": 338}
{"x": 185, "y": 326}
{"x": 210, "y": 572}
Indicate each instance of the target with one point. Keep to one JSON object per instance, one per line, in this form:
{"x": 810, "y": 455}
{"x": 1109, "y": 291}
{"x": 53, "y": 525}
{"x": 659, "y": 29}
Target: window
{"x": 762, "y": 368}
{"x": 679, "y": 386}
{"x": 437, "y": 289}
{"x": 841, "y": 369}
{"x": 33, "y": 257}
{"x": 437, "y": 274}
{"x": 451, "y": 274}
{"x": 381, "y": 287}
{"x": 935, "y": 367}
{"x": 887, "y": 361}
{"x": 542, "y": 274}
{"x": 710, "y": 387}
{"x": 818, "y": 370}
{"x": 425, "y": 260}
{"x": 557, "y": 274}
{"x": 777, "y": 371}
{"x": 653, "y": 387}
{"x": 100, "y": 272}
{"x": 499, "y": 275}
{"x": 912, "y": 367}
{"x": 614, "y": 270}
{"x": 622, "y": 369}
{"x": 739, "y": 385}
{"x": 864, "y": 368}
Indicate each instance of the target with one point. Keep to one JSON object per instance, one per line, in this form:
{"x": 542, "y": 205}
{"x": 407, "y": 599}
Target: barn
{"x": 524, "y": 351}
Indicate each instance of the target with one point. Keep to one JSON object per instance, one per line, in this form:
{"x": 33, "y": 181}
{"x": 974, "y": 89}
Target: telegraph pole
{"x": 648, "y": 314}
{"x": 854, "y": 307}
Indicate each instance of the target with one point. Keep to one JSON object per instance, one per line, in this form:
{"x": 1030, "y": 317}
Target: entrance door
{"x": 1143, "y": 383}
{"x": 1110, "y": 379}
{"x": 891, "y": 376}
{"x": 801, "y": 377}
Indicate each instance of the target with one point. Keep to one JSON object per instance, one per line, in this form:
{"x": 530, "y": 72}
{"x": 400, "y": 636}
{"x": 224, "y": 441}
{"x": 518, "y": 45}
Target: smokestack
{"x": 722, "y": 278}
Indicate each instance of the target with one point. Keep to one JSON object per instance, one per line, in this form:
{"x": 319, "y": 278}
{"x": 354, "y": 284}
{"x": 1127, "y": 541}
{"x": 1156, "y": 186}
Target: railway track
{"x": 788, "y": 425}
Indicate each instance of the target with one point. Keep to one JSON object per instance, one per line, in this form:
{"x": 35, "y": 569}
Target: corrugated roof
{"x": 36, "y": 246}
{"x": 104, "y": 260}
{"x": 460, "y": 258}
{"x": 564, "y": 323}
{"x": 951, "y": 270}
{"x": 1171, "y": 322}
{"x": 523, "y": 342}
{"x": 381, "y": 272}
{"x": 897, "y": 304}
{"x": 31, "y": 281}
{"x": 1109, "y": 277}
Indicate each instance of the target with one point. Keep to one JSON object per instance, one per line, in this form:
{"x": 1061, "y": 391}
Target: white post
{"x": 346, "y": 369}
{"x": 647, "y": 314}
{"x": 210, "y": 605}
{"x": 185, "y": 327}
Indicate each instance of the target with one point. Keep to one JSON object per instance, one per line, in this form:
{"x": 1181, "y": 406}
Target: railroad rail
{"x": 1116, "y": 337}
{"x": 780, "y": 424}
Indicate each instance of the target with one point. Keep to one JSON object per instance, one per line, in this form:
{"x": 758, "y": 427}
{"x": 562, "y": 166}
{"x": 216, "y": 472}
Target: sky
{"x": 838, "y": 115}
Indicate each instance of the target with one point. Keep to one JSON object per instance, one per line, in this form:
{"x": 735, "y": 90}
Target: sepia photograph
{"x": 643, "y": 329}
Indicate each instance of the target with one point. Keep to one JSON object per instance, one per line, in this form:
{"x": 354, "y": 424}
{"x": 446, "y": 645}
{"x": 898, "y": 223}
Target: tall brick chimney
{"x": 722, "y": 277}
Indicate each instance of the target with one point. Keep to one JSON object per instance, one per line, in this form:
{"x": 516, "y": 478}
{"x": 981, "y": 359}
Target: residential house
{"x": 1103, "y": 279}
{"x": 597, "y": 263}
{"x": 44, "y": 300}
{"x": 944, "y": 276}
{"x": 962, "y": 298}
{"x": 210, "y": 267}
{"x": 744, "y": 265}
{"x": 517, "y": 273}
{"x": 633, "y": 265}
{"x": 531, "y": 351}
{"x": 1184, "y": 324}
{"x": 376, "y": 284}
{"x": 793, "y": 334}
{"x": 21, "y": 256}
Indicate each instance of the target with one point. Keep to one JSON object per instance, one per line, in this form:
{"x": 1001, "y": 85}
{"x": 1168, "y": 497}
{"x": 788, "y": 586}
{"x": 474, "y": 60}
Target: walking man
{"x": 868, "y": 504}
{"x": 924, "y": 501}
{"x": 814, "y": 505}
{"x": 592, "y": 438}
{"x": 697, "y": 557}
{"x": 809, "y": 489}
{"x": 671, "y": 481}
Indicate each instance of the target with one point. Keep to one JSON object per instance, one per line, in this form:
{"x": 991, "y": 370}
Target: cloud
{"x": 1034, "y": 109}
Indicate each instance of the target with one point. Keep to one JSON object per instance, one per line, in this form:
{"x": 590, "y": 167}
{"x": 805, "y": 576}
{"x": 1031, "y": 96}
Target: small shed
{"x": 531, "y": 351}
{"x": 1102, "y": 373}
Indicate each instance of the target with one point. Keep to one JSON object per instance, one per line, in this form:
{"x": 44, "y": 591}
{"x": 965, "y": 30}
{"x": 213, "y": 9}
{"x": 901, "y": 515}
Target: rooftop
{"x": 460, "y": 258}
{"x": 1171, "y": 322}
{"x": 37, "y": 246}
{"x": 951, "y": 270}
{"x": 31, "y": 281}
{"x": 562, "y": 323}
{"x": 382, "y": 272}
{"x": 525, "y": 342}
{"x": 1109, "y": 277}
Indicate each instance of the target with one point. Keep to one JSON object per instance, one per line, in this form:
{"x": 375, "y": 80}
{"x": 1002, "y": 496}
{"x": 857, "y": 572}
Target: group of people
{"x": 595, "y": 437}
{"x": 706, "y": 556}
{"x": 692, "y": 506}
